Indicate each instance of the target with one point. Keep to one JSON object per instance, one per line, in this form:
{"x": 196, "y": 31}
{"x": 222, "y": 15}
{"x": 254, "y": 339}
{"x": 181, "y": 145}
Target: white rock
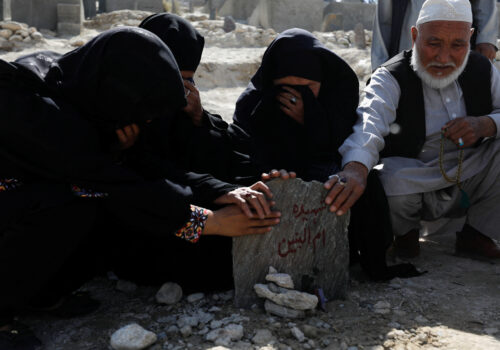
{"x": 292, "y": 299}
{"x": 6, "y": 33}
{"x": 272, "y": 270}
{"x": 216, "y": 324}
{"x": 187, "y": 320}
{"x": 170, "y": 293}
{"x": 172, "y": 329}
{"x": 192, "y": 298}
{"x": 421, "y": 319}
{"x": 382, "y": 305}
{"x": 16, "y": 38}
{"x": 23, "y": 32}
{"x": 27, "y": 40}
{"x": 14, "y": 26}
{"x": 132, "y": 337}
{"x": 32, "y": 30}
{"x": 6, "y": 44}
{"x": 282, "y": 311}
{"x": 297, "y": 333}
{"x": 223, "y": 336}
{"x": 263, "y": 337}
{"x": 281, "y": 279}
{"x": 77, "y": 42}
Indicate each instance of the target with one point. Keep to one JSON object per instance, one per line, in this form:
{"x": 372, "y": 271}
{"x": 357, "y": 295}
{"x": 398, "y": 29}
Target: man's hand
{"x": 127, "y": 136}
{"x": 230, "y": 221}
{"x": 469, "y": 129}
{"x": 255, "y": 196}
{"x": 343, "y": 194}
{"x": 487, "y": 50}
{"x": 292, "y": 104}
{"x": 193, "y": 108}
{"x": 274, "y": 174}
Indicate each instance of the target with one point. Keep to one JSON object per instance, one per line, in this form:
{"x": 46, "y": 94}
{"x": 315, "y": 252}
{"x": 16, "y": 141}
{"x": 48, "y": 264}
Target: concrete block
{"x": 69, "y": 28}
{"x": 41, "y": 14}
{"x": 284, "y": 14}
{"x": 68, "y": 13}
{"x": 351, "y": 14}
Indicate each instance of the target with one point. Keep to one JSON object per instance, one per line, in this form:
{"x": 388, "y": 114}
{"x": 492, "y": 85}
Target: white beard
{"x": 428, "y": 78}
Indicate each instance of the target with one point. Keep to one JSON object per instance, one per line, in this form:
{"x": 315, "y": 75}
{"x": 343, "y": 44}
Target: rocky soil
{"x": 456, "y": 305}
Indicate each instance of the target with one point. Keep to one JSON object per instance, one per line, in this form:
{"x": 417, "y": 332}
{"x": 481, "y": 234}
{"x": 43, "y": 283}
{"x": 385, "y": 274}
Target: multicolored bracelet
{"x": 9, "y": 184}
{"x": 193, "y": 229}
{"x": 84, "y": 193}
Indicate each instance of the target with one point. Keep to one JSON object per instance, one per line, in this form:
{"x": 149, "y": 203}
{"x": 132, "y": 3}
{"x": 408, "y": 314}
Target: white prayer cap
{"x": 445, "y": 10}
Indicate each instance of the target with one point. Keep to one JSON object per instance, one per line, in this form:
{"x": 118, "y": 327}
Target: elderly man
{"x": 433, "y": 114}
{"x": 394, "y": 19}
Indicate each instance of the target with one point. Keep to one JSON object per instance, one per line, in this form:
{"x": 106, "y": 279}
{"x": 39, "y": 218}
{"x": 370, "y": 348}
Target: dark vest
{"x": 475, "y": 82}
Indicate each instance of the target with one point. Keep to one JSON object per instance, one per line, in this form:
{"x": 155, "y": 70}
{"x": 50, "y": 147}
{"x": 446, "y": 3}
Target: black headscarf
{"x": 52, "y": 129}
{"x": 276, "y": 140}
{"x": 180, "y": 36}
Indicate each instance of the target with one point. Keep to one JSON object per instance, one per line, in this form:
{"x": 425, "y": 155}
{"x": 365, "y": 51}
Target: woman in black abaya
{"x": 298, "y": 108}
{"x": 64, "y": 169}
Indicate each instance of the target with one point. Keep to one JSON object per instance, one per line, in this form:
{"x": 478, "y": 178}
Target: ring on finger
{"x": 460, "y": 142}
{"x": 293, "y": 100}
{"x": 342, "y": 181}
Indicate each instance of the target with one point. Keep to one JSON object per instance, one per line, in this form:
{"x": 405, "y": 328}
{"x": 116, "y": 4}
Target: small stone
{"x": 224, "y": 336}
{"x": 27, "y": 40}
{"x": 170, "y": 293}
{"x": 291, "y": 299}
{"x": 282, "y": 311}
{"x": 23, "y": 32}
{"x": 16, "y": 38}
{"x": 281, "y": 279}
{"x": 263, "y": 337}
{"x": 172, "y": 329}
{"x": 186, "y": 331}
{"x": 6, "y": 33}
{"x": 14, "y": 26}
{"x": 6, "y": 44}
{"x": 491, "y": 331}
{"x": 126, "y": 287}
{"x": 214, "y": 309}
{"x": 77, "y": 42}
{"x": 187, "y": 320}
{"x": 132, "y": 337}
{"x": 297, "y": 333}
{"x": 229, "y": 24}
{"x": 32, "y": 30}
{"x": 272, "y": 270}
{"x": 310, "y": 331}
{"x": 382, "y": 305}
{"x": 192, "y": 298}
{"x": 421, "y": 319}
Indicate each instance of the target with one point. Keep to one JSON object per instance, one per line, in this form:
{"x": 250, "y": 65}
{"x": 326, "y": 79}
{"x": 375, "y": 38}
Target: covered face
{"x": 123, "y": 76}
{"x": 180, "y": 36}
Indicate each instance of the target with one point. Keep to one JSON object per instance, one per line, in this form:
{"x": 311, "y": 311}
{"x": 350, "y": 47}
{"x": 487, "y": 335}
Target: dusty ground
{"x": 456, "y": 305}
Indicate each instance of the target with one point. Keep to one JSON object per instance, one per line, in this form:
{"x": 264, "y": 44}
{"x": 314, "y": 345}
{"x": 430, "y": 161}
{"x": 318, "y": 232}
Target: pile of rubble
{"x": 15, "y": 35}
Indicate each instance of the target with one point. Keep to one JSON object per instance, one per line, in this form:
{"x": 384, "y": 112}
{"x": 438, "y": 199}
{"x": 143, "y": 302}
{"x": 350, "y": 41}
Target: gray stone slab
{"x": 359, "y": 36}
{"x": 351, "y": 14}
{"x": 41, "y": 14}
{"x": 89, "y": 8}
{"x": 143, "y": 5}
{"x": 310, "y": 244}
{"x": 69, "y": 13}
{"x": 284, "y": 14}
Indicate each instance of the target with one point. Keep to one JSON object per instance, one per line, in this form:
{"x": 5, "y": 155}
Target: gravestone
{"x": 359, "y": 36}
{"x": 1, "y": 10}
{"x": 352, "y": 13}
{"x": 284, "y": 14}
{"x": 142, "y": 5}
{"x": 310, "y": 244}
{"x": 238, "y": 9}
{"x": 5, "y": 10}
{"x": 69, "y": 19}
{"x": 41, "y": 14}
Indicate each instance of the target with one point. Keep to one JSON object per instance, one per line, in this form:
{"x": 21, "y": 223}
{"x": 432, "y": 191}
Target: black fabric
{"x": 398, "y": 16}
{"x": 475, "y": 82}
{"x": 180, "y": 36}
{"x": 275, "y": 140}
{"x": 306, "y": 65}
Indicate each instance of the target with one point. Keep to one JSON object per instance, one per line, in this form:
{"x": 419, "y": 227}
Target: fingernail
{"x": 277, "y": 221}
{"x": 340, "y": 212}
{"x": 333, "y": 209}
{"x": 328, "y": 201}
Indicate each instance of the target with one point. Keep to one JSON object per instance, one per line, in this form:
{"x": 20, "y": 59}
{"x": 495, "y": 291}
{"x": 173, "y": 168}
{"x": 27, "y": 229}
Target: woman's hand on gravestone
{"x": 291, "y": 104}
{"x": 346, "y": 187}
{"x": 250, "y": 199}
{"x": 231, "y": 221}
{"x": 282, "y": 174}
{"x": 193, "y": 109}
{"x": 127, "y": 136}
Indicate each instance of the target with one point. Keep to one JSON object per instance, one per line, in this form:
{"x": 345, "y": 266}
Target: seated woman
{"x": 208, "y": 148}
{"x": 65, "y": 172}
{"x": 298, "y": 108}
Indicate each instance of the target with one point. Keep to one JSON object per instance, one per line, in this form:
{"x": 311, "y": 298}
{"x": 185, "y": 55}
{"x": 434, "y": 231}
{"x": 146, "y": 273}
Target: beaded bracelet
{"x": 192, "y": 230}
{"x": 9, "y": 184}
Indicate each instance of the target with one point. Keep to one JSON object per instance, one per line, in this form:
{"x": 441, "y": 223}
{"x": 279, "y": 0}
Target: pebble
{"x": 421, "y": 319}
{"x": 263, "y": 337}
{"x": 132, "y": 337}
{"x": 310, "y": 331}
{"x": 297, "y": 333}
{"x": 173, "y": 329}
{"x": 187, "y": 320}
{"x": 272, "y": 270}
{"x": 186, "y": 331}
{"x": 14, "y": 26}
{"x": 291, "y": 299}
{"x": 281, "y": 279}
{"x": 126, "y": 286}
{"x": 16, "y": 37}
{"x": 491, "y": 331}
{"x": 193, "y": 298}
{"x": 6, "y": 33}
{"x": 224, "y": 336}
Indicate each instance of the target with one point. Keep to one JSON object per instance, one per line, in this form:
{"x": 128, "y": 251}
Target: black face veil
{"x": 180, "y": 36}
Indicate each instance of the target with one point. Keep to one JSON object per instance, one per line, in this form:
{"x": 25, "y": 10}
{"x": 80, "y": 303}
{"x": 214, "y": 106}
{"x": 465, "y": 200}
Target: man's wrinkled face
{"x": 442, "y": 46}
